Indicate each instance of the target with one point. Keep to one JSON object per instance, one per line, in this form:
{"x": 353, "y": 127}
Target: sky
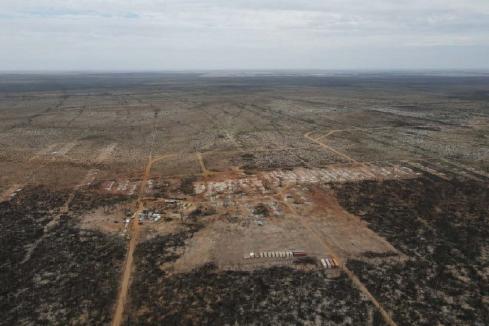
{"x": 146, "y": 35}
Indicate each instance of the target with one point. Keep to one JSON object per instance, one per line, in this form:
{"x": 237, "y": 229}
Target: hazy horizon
{"x": 257, "y": 72}
{"x": 152, "y": 35}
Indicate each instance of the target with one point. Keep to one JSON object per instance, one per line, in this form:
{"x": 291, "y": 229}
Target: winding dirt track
{"x": 200, "y": 159}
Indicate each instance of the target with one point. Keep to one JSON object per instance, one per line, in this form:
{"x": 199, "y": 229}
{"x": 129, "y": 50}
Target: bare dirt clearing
{"x": 183, "y": 199}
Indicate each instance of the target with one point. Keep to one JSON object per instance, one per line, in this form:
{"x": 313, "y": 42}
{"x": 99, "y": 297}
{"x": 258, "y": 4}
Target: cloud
{"x": 191, "y": 34}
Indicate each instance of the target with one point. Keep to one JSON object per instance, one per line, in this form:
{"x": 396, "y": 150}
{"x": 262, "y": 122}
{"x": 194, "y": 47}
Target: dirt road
{"x": 128, "y": 263}
{"x": 338, "y": 153}
{"x": 127, "y": 271}
{"x": 329, "y": 148}
{"x": 329, "y": 249}
{"x": 134, "y": 237}
{"x": 205, "y": 172}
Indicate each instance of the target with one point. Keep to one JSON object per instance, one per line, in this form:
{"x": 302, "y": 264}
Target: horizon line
{"x": 246, "y": 70}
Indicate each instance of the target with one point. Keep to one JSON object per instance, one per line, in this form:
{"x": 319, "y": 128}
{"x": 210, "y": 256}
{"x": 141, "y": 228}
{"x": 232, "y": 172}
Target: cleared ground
{"x": 387, "y": 174}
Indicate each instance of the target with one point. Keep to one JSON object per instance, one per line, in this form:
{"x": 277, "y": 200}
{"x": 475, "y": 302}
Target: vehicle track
{"x": 205, "y": 172}
{"x": 457, "y": 168}
{"x": 329, "y": 148}
{"x": 133, "y": 242}
{"x": 134, "y": 237}
{"x": 329, "y": 249}
{"x": 56, "y": 219}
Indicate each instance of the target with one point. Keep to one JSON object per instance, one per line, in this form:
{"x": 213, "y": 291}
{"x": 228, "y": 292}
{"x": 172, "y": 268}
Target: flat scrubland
{"x": 386, "y": 173}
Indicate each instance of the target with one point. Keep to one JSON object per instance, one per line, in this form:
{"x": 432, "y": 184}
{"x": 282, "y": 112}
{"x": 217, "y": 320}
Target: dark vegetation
{"x": 160, "y": 189}
{"x": 444, "y": 229}
{"x": 207, "y": 296}
{"x": 202, "y": 211}
{"x": 71, "y": 276}
{"x": 306, "y": 260}
{"x": 371, "y": 254}
{"x": 261, "y": 209}
{"x": 187, "y": 185}
{"x": 88, "y": 200}
{"x": 248, "y": 157}
{"x": 22, "y": 221}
